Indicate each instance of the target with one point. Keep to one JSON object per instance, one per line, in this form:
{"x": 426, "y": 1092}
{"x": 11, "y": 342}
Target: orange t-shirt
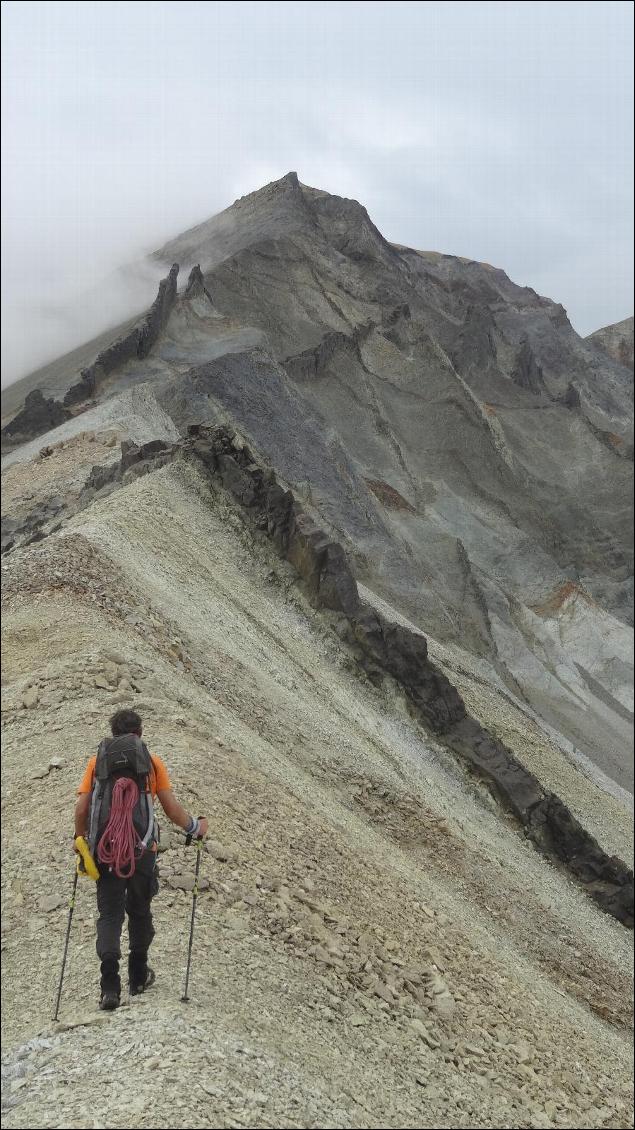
{"x": 158, "y": 781}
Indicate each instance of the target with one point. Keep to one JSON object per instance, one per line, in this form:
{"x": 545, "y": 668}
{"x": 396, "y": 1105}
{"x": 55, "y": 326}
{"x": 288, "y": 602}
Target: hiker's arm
{"x": 81, "y": 814}
{"x": 177, "y": 814}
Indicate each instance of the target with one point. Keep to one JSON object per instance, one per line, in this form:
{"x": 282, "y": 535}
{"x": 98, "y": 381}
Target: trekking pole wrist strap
{"x": 193, "y": 828}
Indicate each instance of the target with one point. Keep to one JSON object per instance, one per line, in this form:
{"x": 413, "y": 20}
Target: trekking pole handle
{"x": 188, "y": 839}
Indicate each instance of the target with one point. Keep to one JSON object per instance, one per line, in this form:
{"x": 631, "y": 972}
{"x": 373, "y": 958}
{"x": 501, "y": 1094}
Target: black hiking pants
{"x": 118, "y": 897}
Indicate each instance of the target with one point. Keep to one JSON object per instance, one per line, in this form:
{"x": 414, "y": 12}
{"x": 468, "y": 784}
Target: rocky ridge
{"x": 366, "y": 913}
{"x": 382, "y": 648}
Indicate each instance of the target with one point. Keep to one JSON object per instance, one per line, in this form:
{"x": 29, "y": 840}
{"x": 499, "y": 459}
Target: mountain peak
{"x": 273, "y": 211}
{"x": 282, "y": 209}
{"x": 289, "y": 184}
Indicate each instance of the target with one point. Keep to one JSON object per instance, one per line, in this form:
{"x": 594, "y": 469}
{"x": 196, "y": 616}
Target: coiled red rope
{"x": 120, "y": 843}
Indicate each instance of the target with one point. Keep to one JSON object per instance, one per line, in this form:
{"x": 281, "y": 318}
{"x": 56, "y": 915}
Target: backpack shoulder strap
{"x": 151, "y": 835}
{"x": 97, "y": 794}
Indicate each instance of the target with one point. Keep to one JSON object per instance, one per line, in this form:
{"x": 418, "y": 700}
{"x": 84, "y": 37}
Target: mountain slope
{"x": 467, "y": 401}
{"x": 379, "y": 942}
{"x": 616, "y": 341}
{"x": 375, "y": 946}
{"x": 468, "y": 448}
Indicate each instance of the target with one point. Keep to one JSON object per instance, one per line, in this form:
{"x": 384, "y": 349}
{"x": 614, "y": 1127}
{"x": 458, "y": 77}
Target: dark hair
{"x": 125, "y": 722}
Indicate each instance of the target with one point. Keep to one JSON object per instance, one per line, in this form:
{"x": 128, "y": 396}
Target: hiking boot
{"x": 110, "y": 985}
{"x": 110, "y": 999}
{"x": 140, "y": 976}
{"x": 139, "y": 986}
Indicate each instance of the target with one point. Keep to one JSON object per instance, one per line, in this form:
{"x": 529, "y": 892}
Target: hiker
{"x": 115, "y": 814}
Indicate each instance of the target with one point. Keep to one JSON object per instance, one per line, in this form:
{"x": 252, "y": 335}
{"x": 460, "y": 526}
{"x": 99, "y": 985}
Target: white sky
{"x": 501, "y": 131}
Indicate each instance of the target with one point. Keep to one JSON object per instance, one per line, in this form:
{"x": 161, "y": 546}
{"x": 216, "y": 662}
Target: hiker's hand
{"x": 202, "y": 828}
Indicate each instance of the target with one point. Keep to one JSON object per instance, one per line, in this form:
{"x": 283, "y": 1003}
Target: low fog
{"x": 498, "y": 131}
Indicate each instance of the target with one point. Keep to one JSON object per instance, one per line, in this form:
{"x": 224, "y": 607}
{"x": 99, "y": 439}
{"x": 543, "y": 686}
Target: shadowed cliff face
{"x": 367, "y": 373}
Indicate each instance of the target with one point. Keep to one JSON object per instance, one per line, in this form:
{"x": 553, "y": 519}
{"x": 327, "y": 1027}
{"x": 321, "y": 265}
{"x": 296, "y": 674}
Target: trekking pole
{"x": 199, "y": 847}
{"x": 71, "y": 908}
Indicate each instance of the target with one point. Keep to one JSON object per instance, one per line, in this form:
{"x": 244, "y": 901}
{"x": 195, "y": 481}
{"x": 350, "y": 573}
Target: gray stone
{"x": 219, "y": 851}
{"x": 111, "y": 671}
{"x": 186, "y": 882}
{"x": 50, "y": 902}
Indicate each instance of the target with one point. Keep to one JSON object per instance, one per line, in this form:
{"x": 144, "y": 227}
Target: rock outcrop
{"x": 196, "y": 284}
{"x": 526, "y": 372}
{"x": 135, "y": 344}
{"x": 39, "y": 415}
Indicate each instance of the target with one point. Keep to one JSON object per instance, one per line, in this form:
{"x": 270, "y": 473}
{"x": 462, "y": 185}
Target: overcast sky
{"x": 499, "y": 131}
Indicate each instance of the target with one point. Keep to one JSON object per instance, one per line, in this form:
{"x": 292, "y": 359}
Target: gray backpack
{"x": 123, "y": 756}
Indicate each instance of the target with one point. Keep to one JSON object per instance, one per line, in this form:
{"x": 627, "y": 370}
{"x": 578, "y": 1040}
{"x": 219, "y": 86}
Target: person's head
{"x": 125, "y": 722}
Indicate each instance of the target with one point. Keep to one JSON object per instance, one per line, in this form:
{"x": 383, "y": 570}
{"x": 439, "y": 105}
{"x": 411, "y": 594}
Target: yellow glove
{"x": 85, "y": 863}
